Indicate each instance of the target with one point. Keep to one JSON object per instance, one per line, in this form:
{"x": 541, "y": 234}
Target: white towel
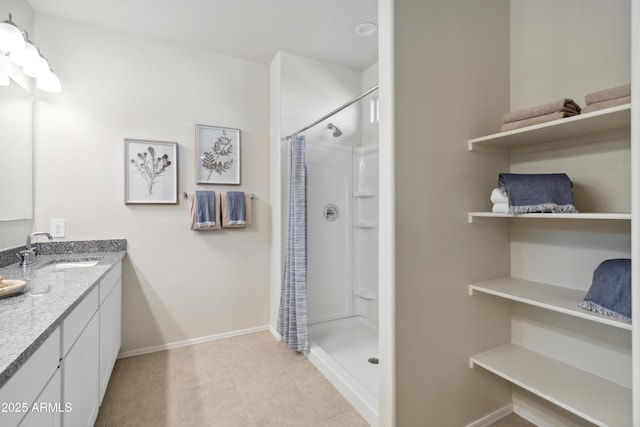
{"x": 500, "y": 208}
{"x": 499, "y": 196}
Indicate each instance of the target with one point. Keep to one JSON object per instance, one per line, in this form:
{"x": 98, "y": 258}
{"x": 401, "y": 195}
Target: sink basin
{"x": 60, "y": 264}
{"x": 76, "y": 264}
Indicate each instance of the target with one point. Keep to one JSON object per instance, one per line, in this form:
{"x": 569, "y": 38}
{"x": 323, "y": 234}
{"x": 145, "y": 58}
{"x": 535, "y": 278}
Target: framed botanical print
{"x": 151, "y": 172}
{"x": 217, "y": 155}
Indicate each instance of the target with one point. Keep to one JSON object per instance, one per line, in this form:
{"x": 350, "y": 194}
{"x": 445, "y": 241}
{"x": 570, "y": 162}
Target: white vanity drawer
{"x": 22, "y": 389}
{"x": 110, "y": 279}
{"x": 75, "y": 322}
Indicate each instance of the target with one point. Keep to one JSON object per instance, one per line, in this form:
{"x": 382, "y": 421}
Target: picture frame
{"x": 217, "y": 155}
{"x": 151, "y": 172}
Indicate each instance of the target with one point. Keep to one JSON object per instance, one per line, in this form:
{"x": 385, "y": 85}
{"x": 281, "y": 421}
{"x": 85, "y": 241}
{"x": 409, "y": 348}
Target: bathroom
{"x": 119, "y": 84}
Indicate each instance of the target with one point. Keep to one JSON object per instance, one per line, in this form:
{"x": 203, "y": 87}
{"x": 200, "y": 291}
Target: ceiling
{"x": 250, "y": 29}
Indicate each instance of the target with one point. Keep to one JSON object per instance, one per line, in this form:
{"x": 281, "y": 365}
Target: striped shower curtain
{"x": 292, "y": 316}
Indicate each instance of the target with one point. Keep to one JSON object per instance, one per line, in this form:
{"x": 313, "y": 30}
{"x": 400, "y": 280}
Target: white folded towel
{"x": 500, "y": 208}
{"x": 499, "y": 196}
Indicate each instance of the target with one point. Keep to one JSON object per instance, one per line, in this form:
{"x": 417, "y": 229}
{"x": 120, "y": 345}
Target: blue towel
{"x": 610, "y": 292}
{"x": 206, "y": 209}
{"x": 235, "y": 205}
{"x": 529, "y": 193}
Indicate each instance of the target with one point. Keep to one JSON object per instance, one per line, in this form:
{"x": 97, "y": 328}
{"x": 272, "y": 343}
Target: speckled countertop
{"x": 26, "y": 321}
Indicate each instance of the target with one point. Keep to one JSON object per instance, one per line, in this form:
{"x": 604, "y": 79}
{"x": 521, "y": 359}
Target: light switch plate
{"x": 57, "y": 227}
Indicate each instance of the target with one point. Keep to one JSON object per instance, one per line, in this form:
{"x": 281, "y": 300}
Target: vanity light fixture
{"x": 49, "y": 82}
{"x": 11, "y": 39}
{"x": 15, "y": 44}
{"x": 29, "y": 55}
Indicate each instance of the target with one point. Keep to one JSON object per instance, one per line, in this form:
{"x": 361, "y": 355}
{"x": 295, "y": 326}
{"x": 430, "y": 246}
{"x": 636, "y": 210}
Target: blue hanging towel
{"x": 206, "y": 209}
{"x": 235, "y": 203}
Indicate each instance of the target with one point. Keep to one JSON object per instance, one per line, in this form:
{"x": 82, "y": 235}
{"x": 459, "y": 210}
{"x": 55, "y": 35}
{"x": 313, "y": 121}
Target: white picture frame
{"x": 151, "y": 172}
{"x": 217, "y": 155}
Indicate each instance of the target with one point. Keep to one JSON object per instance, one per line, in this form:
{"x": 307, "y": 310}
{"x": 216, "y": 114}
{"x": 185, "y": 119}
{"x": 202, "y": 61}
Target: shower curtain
{"x": 292, "y": 315}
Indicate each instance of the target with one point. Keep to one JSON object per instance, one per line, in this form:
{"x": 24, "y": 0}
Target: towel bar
{"x": 252, "y": 196}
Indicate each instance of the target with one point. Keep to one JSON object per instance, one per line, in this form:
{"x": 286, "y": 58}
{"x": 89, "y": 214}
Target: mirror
{"x": 16, "y": 169}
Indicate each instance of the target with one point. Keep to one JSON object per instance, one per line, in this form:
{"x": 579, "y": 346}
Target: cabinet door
{"x": 46, "y": 410}
{"x": 110, "y": 315}
{"x": 80, "y": 382}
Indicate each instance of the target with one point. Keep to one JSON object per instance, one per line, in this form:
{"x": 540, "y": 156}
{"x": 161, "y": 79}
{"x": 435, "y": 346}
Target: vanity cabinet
{"x": 80, "y": 362}
{"x": 91, "y": 342}
{"x": 18, "y": 395}
{"x": 110, "y": 315}
{"x": 49, "y": 405}
{"x": 63, "y": 382}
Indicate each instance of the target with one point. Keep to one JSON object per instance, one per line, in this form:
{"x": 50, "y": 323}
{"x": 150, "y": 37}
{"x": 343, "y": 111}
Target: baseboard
{"x": 185, "y": 343}
{"x": 492, "y": 417}
{"x": 275, "y": 333}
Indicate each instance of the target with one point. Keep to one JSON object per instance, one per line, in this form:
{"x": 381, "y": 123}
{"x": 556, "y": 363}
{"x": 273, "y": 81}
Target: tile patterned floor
{"x": 250, "y": 380}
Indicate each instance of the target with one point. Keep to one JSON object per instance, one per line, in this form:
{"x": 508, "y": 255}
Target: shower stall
{"x": 342, "y": 251}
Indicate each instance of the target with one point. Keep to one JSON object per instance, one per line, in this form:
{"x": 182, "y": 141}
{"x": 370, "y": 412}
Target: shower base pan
{"x": 341, "y": 350}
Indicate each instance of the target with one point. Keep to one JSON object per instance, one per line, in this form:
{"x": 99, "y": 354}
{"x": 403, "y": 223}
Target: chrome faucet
{"x": 28, "y": 256}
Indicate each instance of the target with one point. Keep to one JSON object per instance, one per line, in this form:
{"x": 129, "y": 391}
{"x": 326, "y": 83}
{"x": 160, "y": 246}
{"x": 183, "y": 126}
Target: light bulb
{"x": 49, "y": 83}
{"x": 26, "y": 57}
{"x": 37, "y": 68}
{"x": 11, "y": 39}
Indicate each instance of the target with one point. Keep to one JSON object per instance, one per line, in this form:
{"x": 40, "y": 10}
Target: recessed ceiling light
{"x": 366, "y": 29}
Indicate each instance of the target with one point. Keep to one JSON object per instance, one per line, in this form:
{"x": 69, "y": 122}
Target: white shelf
{"x": 554, "y": 298}
{"x": 590, "y": 215}
{"x": 590, "y": 397}
{"x": 610, "y": 119}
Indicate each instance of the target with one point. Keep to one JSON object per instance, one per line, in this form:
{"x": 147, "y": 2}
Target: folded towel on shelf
{"x": 610, "y": 291}
{"x": 203, "y": 210}
{"x": 608, "y": 94}
{"x": 236, "y": 209}
{"x": 606, "y": 104}
{"x": 536, "y": 120}
{"x": 498, "y": 196}
{"x": 500, "y": 208}
{"x": 565, "y": 105}
{"x": 530, "y": 193}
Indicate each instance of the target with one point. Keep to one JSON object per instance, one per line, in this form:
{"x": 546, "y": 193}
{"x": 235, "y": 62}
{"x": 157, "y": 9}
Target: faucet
{"x": 28, "y": 256}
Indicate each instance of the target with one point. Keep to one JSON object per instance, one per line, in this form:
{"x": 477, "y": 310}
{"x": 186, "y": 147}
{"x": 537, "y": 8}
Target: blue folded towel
{"x": 529, "y": 193}
{"x": 206, "y": 209}
{"x": 610, "y": 292}
{"x": 235, "y": 205}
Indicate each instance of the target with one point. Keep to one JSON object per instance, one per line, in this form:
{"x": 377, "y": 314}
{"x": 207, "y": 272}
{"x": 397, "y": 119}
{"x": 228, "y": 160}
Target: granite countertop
{"x": 26, "y": 321}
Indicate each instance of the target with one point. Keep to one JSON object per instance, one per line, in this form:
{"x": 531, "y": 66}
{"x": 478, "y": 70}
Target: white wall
{"x": 178, "y": 284}
{"x": 451, "y": 84}
{"x": 567, "y": 49}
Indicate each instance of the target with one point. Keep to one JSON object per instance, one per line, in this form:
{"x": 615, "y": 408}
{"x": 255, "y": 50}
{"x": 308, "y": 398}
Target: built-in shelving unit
{"x": 582, "y": 125}
{"x": 595, "y": 398}
{"x": 550, "y": 297}
{"x": 591, "y": 397}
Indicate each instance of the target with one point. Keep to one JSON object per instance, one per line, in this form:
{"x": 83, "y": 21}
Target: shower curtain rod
{"x": 337, "y": 110}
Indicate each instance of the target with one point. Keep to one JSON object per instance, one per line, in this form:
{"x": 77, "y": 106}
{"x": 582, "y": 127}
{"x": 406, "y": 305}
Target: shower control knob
{"x": 331, "y": 212}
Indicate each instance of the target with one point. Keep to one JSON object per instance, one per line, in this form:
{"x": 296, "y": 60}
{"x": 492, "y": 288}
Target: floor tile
{"x": 246, "y": 381}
